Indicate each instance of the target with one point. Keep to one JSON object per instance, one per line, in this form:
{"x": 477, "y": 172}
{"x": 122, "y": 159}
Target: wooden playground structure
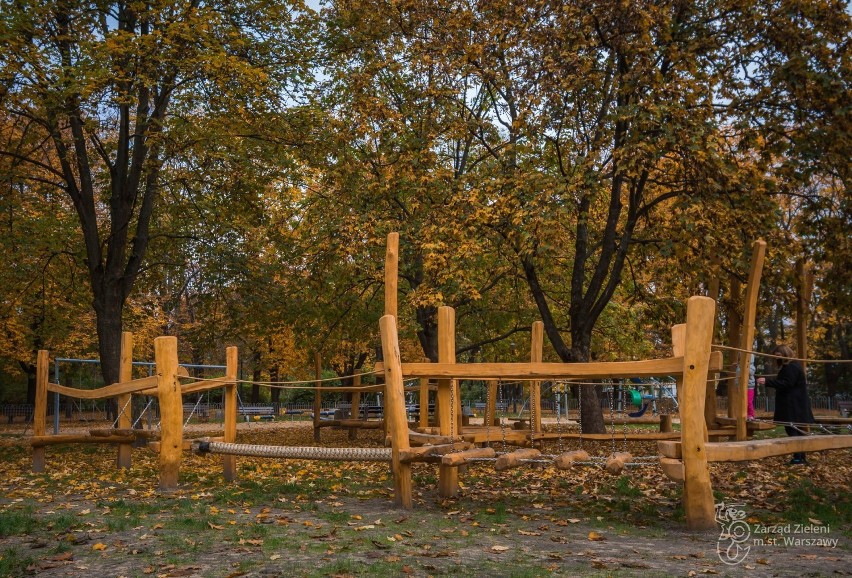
{"x": 685, "y": 455}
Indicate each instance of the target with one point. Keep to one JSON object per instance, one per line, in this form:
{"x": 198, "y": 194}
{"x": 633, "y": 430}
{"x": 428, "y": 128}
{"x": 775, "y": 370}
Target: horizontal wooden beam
{"x": 139, "y": 433}
{"x": 134, "y": 386}
{"x": 52, "y": 440}
{"x": 353, "y": 423}
{"x": 758, "y": 449}
{"x": 537, "y": 371}
{"x": 750, "y": 425}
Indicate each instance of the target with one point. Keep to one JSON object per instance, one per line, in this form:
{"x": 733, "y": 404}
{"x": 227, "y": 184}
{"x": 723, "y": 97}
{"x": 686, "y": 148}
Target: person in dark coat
{"x": 791, "y": 396}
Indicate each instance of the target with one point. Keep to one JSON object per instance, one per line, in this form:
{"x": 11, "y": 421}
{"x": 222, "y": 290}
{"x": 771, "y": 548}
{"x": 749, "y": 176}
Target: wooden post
{"x": 354, "y": 411}
{"x": 678, "y": 345}
{"x": 229, "y": 463}
{"x": 424, "y": 402}
{"x": 491, "y": 403}
{"x": 125, "y": 373}
{"x": 666, "y": 423}
{"x": 171, "y": 411}
{"x": 40, "y": 408}
{"x": 805, "y": 287}
{"x": 536, "y": 344}
{"x": 747, "y": 337}
{"x": 391, "y": 273}
{"x": 395, "y": 411}
{"x": 735, "y": 323}
{"x": 317, "y": 395}
{"x": 697, "y": 491}
{"x": 448, "y": 485}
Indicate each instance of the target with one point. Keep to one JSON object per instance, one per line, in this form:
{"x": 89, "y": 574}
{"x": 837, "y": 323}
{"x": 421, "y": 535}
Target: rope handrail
{"x": 759, "y": 354}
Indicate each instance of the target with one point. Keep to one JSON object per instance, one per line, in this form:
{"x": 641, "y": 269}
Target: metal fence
{"x": 149, "y": 415}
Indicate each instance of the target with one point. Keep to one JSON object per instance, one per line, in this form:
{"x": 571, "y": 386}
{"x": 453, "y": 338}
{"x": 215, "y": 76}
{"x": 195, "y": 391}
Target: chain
{"x": 453, "y": 416}
{"x": 612, "y": 415}
{"x": 580, "y": 412}
{"x": 489, "y": 411}
{"x": 150, "y": 401}
{"x": 119, "y": 414}
{"x": 189, "y": 417}
{"x": 624, "y": 415}
{"x": 502, "y": 414}
{"x": 533, "y": 399}
{"x": 557, "y": 391}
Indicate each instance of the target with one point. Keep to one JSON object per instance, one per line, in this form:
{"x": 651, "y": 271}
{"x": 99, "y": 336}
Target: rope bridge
{"x": 294, "y": 452}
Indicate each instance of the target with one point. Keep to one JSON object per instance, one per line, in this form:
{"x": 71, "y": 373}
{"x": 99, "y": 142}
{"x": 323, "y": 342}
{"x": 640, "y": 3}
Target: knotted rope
{"x": 294, "y": 452}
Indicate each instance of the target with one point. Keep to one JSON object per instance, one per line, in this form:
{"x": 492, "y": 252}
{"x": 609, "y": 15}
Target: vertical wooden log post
{"x": 125, "y": 373}
{"x": 40, "y": 408}
{"x": 678, "y": 345}
{"x": 697, "y": 491}
{"x": 448, "y": 484}
{"x": 395, "y": 411}
{"x": 735, "y": 324}
{"x": 391, "y": 285}
{"x": 229, "y": 463}
{"x": 804, "y": 290}
{"x": 758, "y": 252}
{"x": 391, "y": 273}
{"x": 355, "y": 407}
{"x": 171, "y": 411}
{"x": 536, "y": 345}
{"x": 424, "y": 402}
{"x": 491, "y": 403}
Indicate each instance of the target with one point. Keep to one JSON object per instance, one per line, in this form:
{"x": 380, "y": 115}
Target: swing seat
{"x": 640, "y": 412}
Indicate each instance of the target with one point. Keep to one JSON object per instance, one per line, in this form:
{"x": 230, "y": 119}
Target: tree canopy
{"x": 229, "y": 170}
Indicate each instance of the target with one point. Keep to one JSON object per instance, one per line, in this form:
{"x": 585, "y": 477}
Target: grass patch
{"x": 64, "y": 522}
{"x": 494, "y": 515}
{"x": 17, "y": 522}
{"x": 806, "y": 501}
{"x": 335, "y": 517}
{"x": 13, "y": 564}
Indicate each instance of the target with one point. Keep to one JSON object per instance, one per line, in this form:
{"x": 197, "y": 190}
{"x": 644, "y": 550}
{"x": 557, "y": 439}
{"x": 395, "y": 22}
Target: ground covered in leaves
{"x": 82, "y": 517}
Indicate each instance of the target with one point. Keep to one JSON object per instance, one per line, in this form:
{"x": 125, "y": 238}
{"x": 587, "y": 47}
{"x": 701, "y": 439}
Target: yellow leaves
{"x": 596, "y": 536}
{"x": 99, "y": 547}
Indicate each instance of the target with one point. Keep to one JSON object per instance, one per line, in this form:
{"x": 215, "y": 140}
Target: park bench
{"x": 500, "y": 406}
{"x": 12, "y": 410}
{"x": 265, "y": 412}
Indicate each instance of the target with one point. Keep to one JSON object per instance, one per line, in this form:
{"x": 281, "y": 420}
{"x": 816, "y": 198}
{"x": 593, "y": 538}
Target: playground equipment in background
{"x": 452, "y": 445}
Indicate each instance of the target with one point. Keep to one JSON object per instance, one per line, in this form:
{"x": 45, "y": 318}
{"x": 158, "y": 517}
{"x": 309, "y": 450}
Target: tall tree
{"x": 98, "y": 88}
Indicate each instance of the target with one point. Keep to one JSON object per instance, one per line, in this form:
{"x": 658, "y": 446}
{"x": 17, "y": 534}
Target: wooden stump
{"x": 616, "y": 462}
{"x": 513, "y": 459}
{"x": 566, "y": 460}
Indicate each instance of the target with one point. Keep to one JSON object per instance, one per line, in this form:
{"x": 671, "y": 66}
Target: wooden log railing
{"x": 740, "y": 451}
{"x": 543, "y": 371}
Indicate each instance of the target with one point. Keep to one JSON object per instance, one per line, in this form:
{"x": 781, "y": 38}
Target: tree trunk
{"x": 591, "y": 418}
{"x": 108, "y": 305}
{"x": 427, "y": 318}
